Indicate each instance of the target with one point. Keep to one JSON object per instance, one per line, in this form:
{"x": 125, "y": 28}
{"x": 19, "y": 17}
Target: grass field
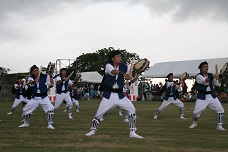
{"x": 168, "y": 133}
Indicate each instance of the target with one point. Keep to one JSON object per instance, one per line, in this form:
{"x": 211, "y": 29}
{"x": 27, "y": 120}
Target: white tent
{"x": 161, "y": 70}
{"x": 92, "y": 77}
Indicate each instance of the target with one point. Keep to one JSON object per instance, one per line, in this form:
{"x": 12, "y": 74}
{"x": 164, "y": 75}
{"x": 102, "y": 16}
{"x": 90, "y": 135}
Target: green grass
{"x": 168, "y": 133}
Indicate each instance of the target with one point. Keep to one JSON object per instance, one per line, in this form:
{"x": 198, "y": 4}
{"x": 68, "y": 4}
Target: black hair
{"x": 113, "y": 53}
{"x": 19, "y": 77}
{"x": 170, "y": 74}
{"x": 201, "y": 64}
{"x": 32, "y": 68}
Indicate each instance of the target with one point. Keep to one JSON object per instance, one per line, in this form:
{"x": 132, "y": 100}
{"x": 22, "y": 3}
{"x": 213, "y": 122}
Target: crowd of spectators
{"x": 88, "y": 91}
{"x": 150, "y": 91}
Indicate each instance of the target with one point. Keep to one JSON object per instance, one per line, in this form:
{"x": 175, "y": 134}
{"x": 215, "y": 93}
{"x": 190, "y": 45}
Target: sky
{"x": 42, "y": 31}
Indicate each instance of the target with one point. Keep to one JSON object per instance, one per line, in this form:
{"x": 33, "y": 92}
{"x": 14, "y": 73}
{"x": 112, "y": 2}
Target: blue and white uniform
{"x": 39, "y": 97}
{"x": 207, "y": 98}
{"x": 113, "y": 96}
{"x": 74, "y": 97}
{"x": 171, "y": 97}
{"x": 62, "y": 93}
{"x": 20, "y": 96}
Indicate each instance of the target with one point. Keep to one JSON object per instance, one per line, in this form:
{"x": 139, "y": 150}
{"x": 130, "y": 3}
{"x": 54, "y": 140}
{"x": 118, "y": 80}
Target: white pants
{"x": 170, "y": 100}
{"x": 61, "y": 97}
{"x": 18, "y": 101}
{"x": 75, "y": 102}
{"x": 211, "y": 102}
{"x": 112, "y": 102}
{"x": 34, "y": 103}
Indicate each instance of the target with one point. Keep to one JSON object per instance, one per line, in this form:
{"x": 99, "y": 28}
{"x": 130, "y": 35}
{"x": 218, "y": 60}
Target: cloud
{"x": 180, "y": 9}
{"x": 39, "y": 31}
{"x": 183, "y": 10}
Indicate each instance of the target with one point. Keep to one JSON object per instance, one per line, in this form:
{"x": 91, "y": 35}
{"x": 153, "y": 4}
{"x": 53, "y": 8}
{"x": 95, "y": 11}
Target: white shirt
{"x": 16, "y": 85}
{"x": 168, "y": 84}
{"x": 108, "y": 70}
{"x": 46, "y": 83}
{"x": 59, "y": 78}
{"x": 201, "y": 80}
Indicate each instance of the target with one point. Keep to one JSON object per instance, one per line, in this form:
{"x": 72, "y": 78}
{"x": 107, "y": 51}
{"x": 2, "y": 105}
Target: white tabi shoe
{"x": 77, "y": 110}
{"x": 23, "y": 125}
{"x": 219, "y": 127}
{"x": 155, "y": 117}
{"x": 193, "y": 125}
{"x": 91, "y": 133}
{"x": 134, "y": 135}
{"x": 9, "y": 113}
{"x": 64, "y": 110}
{"x": 50, "y": 126}
{"x": 126, "y": 120}
{"x": 182, "y": 117}
{"x": 70, "y": 117}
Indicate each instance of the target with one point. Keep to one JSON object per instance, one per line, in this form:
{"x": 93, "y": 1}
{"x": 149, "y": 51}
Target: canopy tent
{"x": 91, "y": 77}
{"x": 161, "y": 70}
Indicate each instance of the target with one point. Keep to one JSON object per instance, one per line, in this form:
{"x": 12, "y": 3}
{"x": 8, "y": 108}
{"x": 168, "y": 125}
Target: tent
{"x": 91, "y": 77}
{"x": 161, "y": 70}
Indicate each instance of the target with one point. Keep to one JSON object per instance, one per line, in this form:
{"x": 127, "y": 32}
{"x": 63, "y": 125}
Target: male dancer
{"x": 62, "y": 92}
{"x": 113, "y": 95}
{"x": 205, "y": 96}
{"x": 74, "y": 97}
{"x": 38, "y": 83}
{"x": 171, "y": 97}
{"x": 19, "y": 88}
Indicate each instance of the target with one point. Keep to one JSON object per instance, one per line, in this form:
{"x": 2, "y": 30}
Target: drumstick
{"x": 216, "y": 71}
{"x": 39, "y": 72}
{"x": 70, "y": 74}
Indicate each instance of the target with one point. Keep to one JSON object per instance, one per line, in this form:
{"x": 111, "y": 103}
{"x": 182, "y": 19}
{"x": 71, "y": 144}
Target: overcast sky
{"x": 39, "y": 31}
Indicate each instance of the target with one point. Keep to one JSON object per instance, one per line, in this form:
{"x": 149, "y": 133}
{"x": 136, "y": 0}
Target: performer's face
{"x": 170, "y": 78}
{"x": 63, "y": 72}
{"x": 19, "y": 81}
{"x": 204, "y": 68}
{"x": 117, "y": 58}
{"x": 35, "y": 71}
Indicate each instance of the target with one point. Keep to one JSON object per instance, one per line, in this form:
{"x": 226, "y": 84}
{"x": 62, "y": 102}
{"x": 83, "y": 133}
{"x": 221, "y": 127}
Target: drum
{"x": 141, "y": 66}
{"x": 50, "y": 68}
{"x": 134, "y": 77}
{"x": 224, "y": 70}
{"x": 184, "y": 76}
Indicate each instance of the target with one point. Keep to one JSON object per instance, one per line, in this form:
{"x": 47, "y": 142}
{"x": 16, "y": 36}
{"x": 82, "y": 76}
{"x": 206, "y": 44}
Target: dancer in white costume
{"x": 62, "y": 92}
{"x": 205, "y": 97}
{"x": 19, "y": 90}
{"x": 39, "y": 85}
{"x": 113, "y": 95}
{"x": 171, "y": 97}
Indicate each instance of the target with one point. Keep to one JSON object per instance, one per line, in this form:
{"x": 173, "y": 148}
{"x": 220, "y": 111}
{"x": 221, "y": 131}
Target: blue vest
{"x": 59, "y": 86}
{"x": 111, "y": 80}
{"x": 42, "y": 86}
{"x": 170, "y": 92}
{"x": 74, "y": 94}
{"x": 18, "y": 90}
{"x": 203, "y": 88}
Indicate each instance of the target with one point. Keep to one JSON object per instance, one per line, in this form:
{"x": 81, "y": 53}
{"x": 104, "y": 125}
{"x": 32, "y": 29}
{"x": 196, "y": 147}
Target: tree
{"x": 4, "y": 70}
{"x": 97, "y": 60}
